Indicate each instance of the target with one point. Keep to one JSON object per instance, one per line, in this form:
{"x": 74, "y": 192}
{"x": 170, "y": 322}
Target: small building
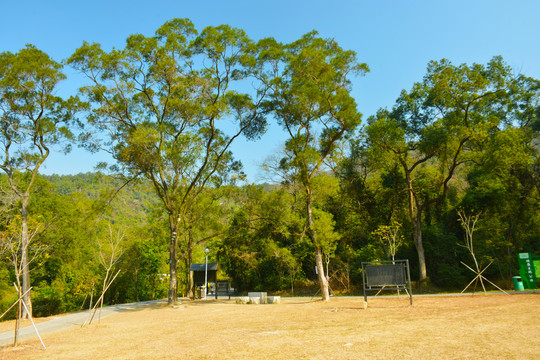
{"x": 215, "y": 287}
{"x": 199, "y": 271}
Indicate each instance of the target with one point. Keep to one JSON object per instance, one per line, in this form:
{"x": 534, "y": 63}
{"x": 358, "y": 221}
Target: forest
{"x": 456, "y": 157}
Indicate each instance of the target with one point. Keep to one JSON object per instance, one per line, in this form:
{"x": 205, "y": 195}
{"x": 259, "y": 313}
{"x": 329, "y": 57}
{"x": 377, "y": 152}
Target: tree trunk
{"x": 25, "y": 244}
{"x": 189, "y": 261}
{"x": 420, "y": 247}
{"x": 415, "y": 215}
{"x": 173, "y": 280}
{"x": 292, "y": 284}
{"x": 137, "y": 284}
{"x": 323, "y": 283}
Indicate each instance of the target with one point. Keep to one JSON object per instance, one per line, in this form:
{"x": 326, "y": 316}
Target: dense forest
{"x": 460, "y": 147}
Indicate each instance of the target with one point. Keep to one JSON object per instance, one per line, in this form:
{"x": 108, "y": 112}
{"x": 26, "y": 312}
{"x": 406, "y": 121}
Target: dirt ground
{"x": 460, "y": 327}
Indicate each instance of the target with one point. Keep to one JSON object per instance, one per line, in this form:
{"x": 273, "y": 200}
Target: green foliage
{"x": 7, "y": 293}
{"x": 324, "y": 227}
{"x": 444, "y": 258}
{"x": 47, "y": 301}
{"x": 389, "y": 236}
{"x": 312, "y": 94}
{"x": 164, "y": 99}
{"x": 142, "y": 266}
{"x": 312, "y": 102}
{"x": 263, "y": 248}
{"x": 465, "y": 136}
{"x": 505, "y": 187}
{"x": 32, "y": 120}
{"x": 66, "y": 273}
{"x": 32, "y": 117}
{"x": 440, "y": 125}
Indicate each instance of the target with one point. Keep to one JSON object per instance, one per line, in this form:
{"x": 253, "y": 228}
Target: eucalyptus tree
{"x": 438, "y": 126}
{"x": 33, "y": 118}
{"x": 312, "y": 102}
{"x": 165, "y": 101}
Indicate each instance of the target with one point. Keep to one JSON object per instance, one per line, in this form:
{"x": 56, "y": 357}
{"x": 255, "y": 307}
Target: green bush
{"x": 46, "y": 301}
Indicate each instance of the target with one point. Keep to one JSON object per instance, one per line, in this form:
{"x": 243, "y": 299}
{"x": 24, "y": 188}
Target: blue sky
{"x": 395, "y": 38}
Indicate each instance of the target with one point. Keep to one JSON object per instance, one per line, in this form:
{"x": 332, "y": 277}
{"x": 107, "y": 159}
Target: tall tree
{"x": 436, "y": 127}
{"x": 162, "y": 100}
{"x": 313, "y": 104}
{"x": 32, "y": 120}
{"x": 505, "y": 181}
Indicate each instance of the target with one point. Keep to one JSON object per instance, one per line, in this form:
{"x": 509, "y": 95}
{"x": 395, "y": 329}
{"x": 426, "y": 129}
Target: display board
{"x": 529, "y": 269}
{"x": 386, "y": 275}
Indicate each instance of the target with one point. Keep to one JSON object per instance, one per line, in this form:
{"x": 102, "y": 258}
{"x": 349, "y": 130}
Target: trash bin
{"x": 200, "y": 292}
{"x": 518, "y": 283}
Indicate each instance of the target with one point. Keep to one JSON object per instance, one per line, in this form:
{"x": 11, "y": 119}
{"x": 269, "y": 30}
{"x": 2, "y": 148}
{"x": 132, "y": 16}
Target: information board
{"x": 527, "y": 270}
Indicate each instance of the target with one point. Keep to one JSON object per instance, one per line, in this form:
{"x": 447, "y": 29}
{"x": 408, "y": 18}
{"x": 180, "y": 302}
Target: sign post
{"x": 528, "y": 270}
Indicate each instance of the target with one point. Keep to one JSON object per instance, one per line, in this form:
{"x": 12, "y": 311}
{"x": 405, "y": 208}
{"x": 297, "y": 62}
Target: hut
{"x": 215, "y": 287}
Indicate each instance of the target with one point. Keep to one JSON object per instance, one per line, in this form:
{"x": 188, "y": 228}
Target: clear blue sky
{"x": 395, "y": 38}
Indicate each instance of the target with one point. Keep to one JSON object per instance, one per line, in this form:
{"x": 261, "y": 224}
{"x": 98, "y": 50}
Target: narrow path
{"x": 63, "y": 322}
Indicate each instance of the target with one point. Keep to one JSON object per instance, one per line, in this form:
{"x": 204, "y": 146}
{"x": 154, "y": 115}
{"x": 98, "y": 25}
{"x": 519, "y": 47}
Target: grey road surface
{"x": 63, "y": 322}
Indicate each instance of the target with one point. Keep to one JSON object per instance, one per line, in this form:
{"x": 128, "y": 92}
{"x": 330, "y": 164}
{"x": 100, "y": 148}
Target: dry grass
{"x": 466, "y": 327}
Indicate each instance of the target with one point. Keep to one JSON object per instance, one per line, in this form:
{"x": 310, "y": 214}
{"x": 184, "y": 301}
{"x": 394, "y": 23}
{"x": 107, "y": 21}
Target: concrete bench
{"x": 258, "y": 298}
{"x": 261, "y": 295}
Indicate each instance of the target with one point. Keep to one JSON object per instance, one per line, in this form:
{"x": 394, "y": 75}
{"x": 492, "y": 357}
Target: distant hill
{"x": 131, "y": 202}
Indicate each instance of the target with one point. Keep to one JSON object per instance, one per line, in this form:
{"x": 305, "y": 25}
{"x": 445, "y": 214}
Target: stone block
{"x": 261, "y": 295}
{"x": 242, "y": 300}
{"x": 274, "y": 299}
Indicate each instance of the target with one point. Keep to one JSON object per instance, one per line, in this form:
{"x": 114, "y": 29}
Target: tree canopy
{"x": 32, "y": 120}
{"x": 168, "y": 107}
{"x": 162, "y": 100}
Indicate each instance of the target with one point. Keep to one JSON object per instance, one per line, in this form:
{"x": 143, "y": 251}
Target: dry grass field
{"x": 461, "y": 327}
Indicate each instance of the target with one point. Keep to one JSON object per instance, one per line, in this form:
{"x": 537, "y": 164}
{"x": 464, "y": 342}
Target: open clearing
{"x": 459, "y": 327}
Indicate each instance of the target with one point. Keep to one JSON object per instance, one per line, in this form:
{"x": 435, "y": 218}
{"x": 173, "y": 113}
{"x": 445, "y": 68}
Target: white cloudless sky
{"x": 395, "y": 38}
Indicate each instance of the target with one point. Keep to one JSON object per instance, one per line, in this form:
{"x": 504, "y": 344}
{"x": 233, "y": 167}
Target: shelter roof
{"x": 202, "y": 267}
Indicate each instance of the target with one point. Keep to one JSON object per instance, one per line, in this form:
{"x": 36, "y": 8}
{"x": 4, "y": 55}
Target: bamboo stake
{"x": 18, "y": 321}
{"x": 82, "y": 305}
{"x": 15, "y": 303}
{"x": 93, "y": 313}
{"x": 31, "y": 320}
{"x": 91, "y": 297}
{"x": 479, "y": 275}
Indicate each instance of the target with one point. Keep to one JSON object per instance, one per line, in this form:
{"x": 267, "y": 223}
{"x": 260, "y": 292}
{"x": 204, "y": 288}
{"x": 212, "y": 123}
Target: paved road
{"x": 63, "y": 322}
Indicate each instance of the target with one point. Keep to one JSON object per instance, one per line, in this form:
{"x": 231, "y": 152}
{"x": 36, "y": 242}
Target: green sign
{"x": 528, "y": 270}
{"x": 536, "y": 264}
